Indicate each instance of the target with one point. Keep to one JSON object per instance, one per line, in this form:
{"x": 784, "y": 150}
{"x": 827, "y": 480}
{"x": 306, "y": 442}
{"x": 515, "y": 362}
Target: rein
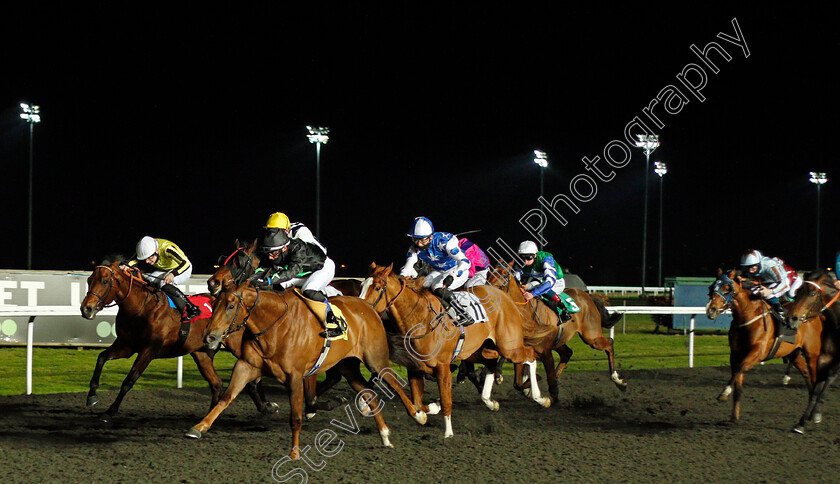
{"x": 826, "y": 305}
{"x": 101, "y": 298}
{"x": 232, "y": 329}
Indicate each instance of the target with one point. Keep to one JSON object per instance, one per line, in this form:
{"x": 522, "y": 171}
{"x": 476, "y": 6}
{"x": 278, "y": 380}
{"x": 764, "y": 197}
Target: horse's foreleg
{"x": 811, "y": 409}
{"x": 535, "y": 388}
{"x": 547, "y": 359}
{"x": 752, "y": 358}
{"x": 116, "y": 351}
{"x": 417, "y": 414}
{"x": 444, "y": 380}
{"x": 487, "y": 391}
{"x": 204, "y": 362}
{"x": 137, "y": 368}
{"x": 243, "y": 373}
{"x": 417, "y": 383}
{"x": 295, "y": 382}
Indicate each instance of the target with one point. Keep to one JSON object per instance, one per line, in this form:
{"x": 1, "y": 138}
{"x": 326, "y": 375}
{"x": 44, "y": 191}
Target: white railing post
{"x": 691, "y": 343}
{"x": 30, "y": 338}
{"x": 180, "y": 378}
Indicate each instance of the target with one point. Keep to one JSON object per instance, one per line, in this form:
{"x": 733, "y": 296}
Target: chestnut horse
{"x": 542, "y": 332}
{"x": 752, "y": 336}
{"x": 817, "y": 297}
{"x": 283, "y": 340}
{"x": 146, "y": 325}
{"x": 430, "y": 339}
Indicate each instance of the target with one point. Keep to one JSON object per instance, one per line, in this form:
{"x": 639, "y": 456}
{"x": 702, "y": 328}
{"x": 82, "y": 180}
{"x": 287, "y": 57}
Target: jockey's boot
{"x": 185, "y": 308}
{"x": 446, "y": 299}
{"x": 334, "y": 326}
{"x": 781, "y": 313}
{"x": 556, "y": 305}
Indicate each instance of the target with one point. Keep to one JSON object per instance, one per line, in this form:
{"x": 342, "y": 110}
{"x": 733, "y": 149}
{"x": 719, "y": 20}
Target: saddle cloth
{"x": 320, "y": 311}
{"x": 200, "y": 300}
{"x": 470, "y": 303}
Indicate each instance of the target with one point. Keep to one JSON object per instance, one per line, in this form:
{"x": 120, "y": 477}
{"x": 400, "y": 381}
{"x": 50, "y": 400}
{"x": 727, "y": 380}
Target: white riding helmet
{"x": 422, "y": 227}
{"x": 146, "y": 247}
{"x": 527, "y": 248}
{"x": 751, "y": 258}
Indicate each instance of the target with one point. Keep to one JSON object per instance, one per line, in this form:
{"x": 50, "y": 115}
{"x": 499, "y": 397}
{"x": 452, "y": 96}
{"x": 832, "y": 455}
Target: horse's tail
{"x": 607, "y": 320}
{"x": 400, "y": 354}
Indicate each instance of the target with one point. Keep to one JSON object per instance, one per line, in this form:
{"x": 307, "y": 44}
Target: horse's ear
{"x": 372, "y": 268}
{"x": 389, "y": 268}
{"x": 236, "y": 244}
{"x": 719, "y": 271}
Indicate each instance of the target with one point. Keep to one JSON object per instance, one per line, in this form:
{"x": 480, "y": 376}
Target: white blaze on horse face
{"x": 365, "y": 286}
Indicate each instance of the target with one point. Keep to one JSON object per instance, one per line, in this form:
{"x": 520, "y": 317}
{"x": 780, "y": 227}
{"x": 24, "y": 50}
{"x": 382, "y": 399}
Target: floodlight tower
{"x": 32, "y": 115}
{"x": 318, "y": 136}
{"x": 541, "y": 159}
{"x": 648, "y": 143}
{"x": 818, "y": 178}
{"x": 660, "y": 168}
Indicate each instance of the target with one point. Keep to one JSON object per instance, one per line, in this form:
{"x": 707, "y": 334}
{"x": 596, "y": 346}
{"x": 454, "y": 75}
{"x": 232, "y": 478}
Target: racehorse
{"x": 283, "y": 340}
{"x": 752, "y": 336}
{"x": 542, "y": 332}
{"x": 430, "y": 341}
{"x": 236, "y": 269}
{"x": 146, "y": 325}
{"x": 818, "y": 297}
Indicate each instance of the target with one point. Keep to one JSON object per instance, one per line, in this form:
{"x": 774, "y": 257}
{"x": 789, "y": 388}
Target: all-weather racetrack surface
{"x": 667, "y": 427}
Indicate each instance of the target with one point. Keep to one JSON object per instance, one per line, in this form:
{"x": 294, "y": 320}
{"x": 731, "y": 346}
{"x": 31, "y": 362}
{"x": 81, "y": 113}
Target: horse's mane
{"x": 819, "y": 274}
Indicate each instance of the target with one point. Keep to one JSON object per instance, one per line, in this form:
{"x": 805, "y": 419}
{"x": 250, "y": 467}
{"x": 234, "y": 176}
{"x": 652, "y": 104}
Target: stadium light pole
{"x": 318, "y": 136}
{"x": 541, "y": 159}
{"x": 818, "y": 178}
{"x": 32, "y": 115}
{"x": 660, "y": 168}
{"x": 648, "y": 143}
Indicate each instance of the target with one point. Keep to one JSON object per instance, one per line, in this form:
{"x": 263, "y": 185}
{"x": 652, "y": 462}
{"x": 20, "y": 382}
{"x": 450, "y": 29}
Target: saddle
{"x": 319, "y": 309}
{"x": 466, "y": 309}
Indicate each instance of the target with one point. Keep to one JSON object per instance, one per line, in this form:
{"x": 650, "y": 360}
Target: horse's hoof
{"x": 271, "y": 407}
{"x": 193, "y": 434}
{"x": 785, "y": 380}
{"x": 310, "y": 416}
{"x": 421, "y": 417}
{"x": 448, "y": 435}
{"x": 434, "y": 408}
{"x": 799, "y": 430}
{"x": 495, "y": 407}
{"x": 105, "y": 418}
{"x": 92, "y": 400}
{"x": 816, "y": 418}
{"x": 545, "y": 402}
{"x": 622, "y": 385}
{"x": 722, "y": 397}
{"x": 527, "y": 392}
{"x": 500, "y": 379}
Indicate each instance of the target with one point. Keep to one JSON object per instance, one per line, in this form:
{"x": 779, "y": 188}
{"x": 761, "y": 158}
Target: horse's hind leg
{"x": 444, "y": 380}
{"x": 371, "y": 405}
{"x": 565, "y": 354}
{"x": 114, "y": 352}
{"x": 606, "y": 344}
{"x": 140, "y": 363}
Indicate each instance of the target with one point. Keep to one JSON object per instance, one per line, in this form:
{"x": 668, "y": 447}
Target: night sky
{"x": 190, "y": 125}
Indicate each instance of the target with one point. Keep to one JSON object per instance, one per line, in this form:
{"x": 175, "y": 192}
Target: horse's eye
{"x": 231, "y": 306}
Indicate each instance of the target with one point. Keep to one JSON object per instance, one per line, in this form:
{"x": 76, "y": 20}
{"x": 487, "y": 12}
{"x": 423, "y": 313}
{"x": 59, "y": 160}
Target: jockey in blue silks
{"x": 440, "y": 250}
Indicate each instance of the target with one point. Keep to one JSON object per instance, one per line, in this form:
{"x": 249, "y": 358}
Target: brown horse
{"x": 146, "y": 325}
{"x": 430, "y": 338}
{"x": 544, "y": 334}
{"x": 282, "y": 340}
{"x": 752, "y": 335}
{"x": 236, "y": 269}
{"x": 817, "y": 297}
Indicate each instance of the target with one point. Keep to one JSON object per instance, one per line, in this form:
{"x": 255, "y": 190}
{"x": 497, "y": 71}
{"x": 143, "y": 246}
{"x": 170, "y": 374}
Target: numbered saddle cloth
{"x": 470, "y": 304}
{"x": 570, "y": 303}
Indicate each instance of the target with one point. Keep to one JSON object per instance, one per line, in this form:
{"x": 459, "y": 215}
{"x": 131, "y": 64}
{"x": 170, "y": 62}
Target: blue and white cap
{"x": 422, "y": 227}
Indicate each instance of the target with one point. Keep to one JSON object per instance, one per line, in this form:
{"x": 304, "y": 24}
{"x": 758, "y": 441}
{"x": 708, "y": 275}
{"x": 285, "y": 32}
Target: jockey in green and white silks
{"x": 542, "y": 277}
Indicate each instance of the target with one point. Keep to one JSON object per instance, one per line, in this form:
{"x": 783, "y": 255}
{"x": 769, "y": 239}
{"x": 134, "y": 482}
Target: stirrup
{"x": 191, "y": 311}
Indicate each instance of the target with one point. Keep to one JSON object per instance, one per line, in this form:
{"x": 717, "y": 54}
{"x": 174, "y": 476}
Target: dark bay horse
{"x": 282, "y": 340}
{"x": 541, "y": 330}
{"x": 752, "y": 335}
{"x": 816, "y": 302}
{"x": 429, "y": 341}
{"x": 146, "y": 325}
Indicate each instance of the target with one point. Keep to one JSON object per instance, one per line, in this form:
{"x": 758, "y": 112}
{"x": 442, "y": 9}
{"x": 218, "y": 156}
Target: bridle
{"x": 239, "y": 274}
{"x": 726, "y": 298}
{"x": 103, "y": 297}
{"x": 383, "y": 291}
{"x": 233, "y": 327}
{"x": 810, "y": 314}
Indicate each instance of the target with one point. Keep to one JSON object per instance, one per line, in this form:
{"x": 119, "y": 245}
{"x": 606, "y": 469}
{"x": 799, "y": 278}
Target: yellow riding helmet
{"x": 277, "y": 220}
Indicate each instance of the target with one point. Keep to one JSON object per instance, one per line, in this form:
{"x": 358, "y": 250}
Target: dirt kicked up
{"x": 667, "y": 427}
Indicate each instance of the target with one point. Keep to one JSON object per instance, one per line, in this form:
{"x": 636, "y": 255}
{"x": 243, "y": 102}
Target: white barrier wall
{"x": 28, "y": 289}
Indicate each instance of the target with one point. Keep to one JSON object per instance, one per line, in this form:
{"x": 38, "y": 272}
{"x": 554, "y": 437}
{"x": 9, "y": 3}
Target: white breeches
{"x": 435, "y": 279}
{"x": 316, "y": 281}
{"x": 157, "y": 277}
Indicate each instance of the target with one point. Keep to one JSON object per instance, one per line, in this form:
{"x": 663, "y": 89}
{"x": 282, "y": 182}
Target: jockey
{"x": 450, "y": 266}
{"x": 777, "y": 279}
{"x": 164, "y": 265}
{"x": 295, "y": 230}
{"x": 293, "y": 262}
{"x": 542, "y": 277}
{"x": 479, "y": 263}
